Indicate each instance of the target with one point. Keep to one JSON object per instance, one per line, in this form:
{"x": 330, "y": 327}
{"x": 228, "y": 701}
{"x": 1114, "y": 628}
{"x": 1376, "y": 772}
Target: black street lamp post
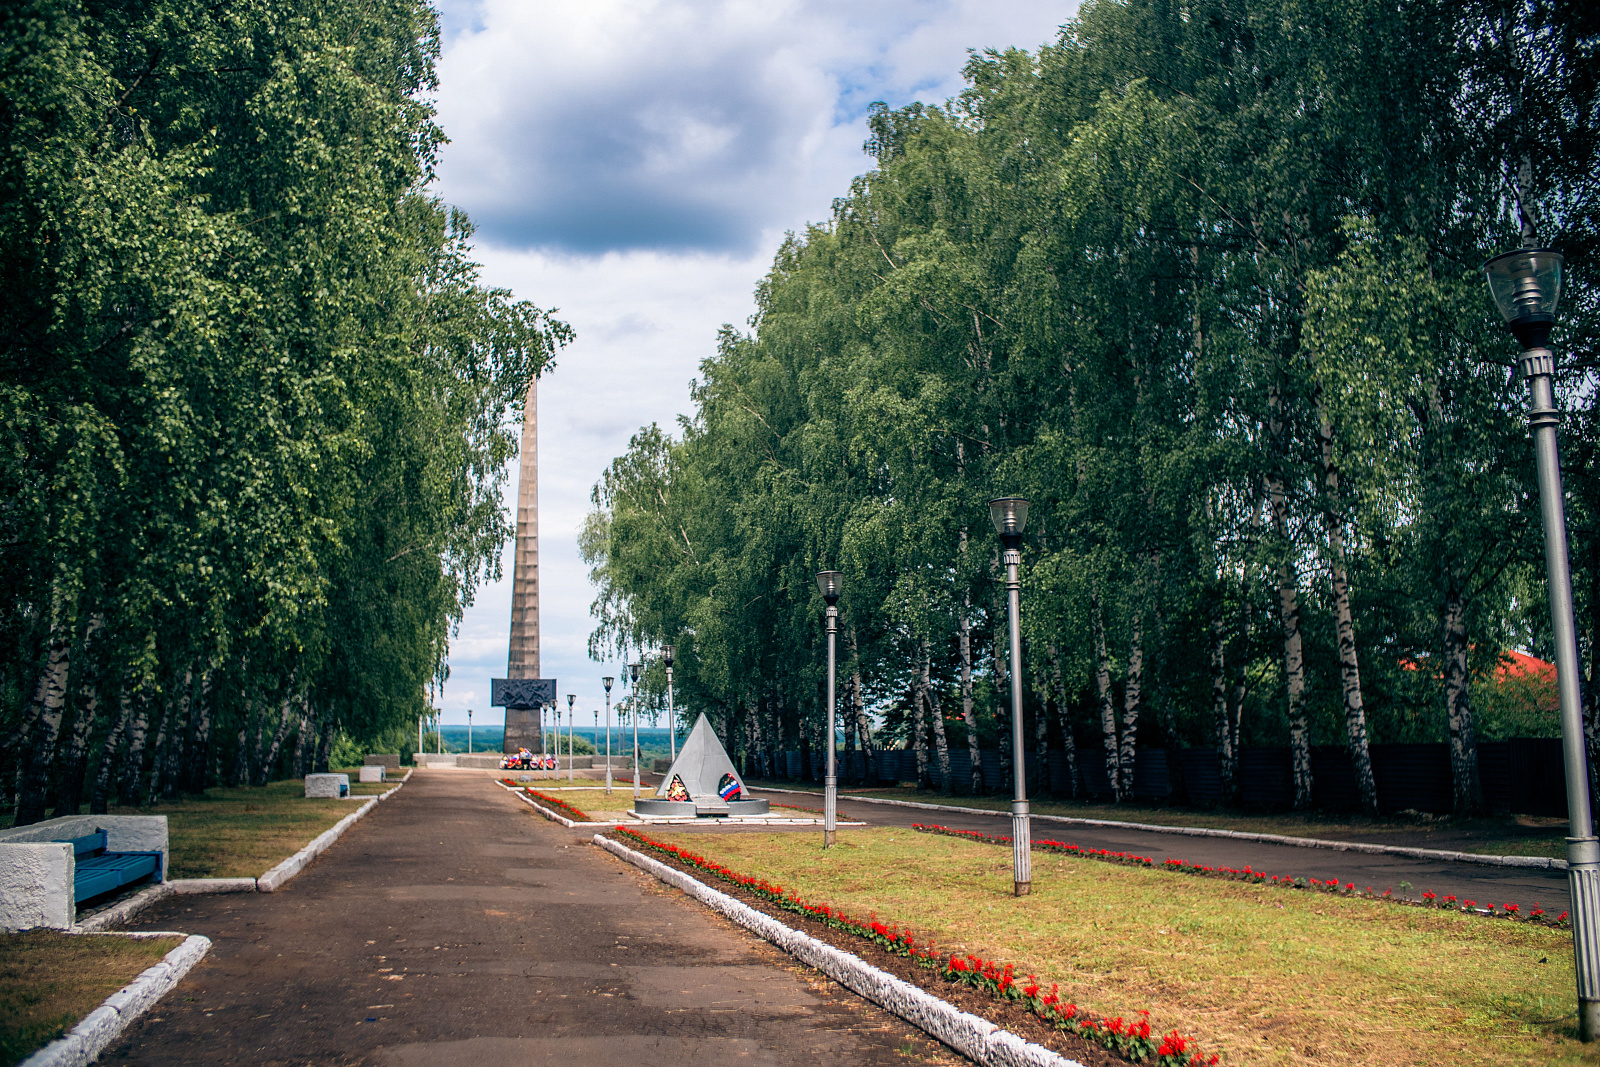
{"x": 829, "y": 584}
{"x": 1009, "y": 515}
{"x": 571, "y": 699}
{"x": 1526, "y": 285}
{"x": 633, "y": 713}
{"x": 607, "y": 682}
{"x": 672, "y": 719}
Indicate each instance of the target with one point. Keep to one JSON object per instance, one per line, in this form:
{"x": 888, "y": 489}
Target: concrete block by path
{"x": 390, "y": 760}
{"x": 327, "y": 786}
{"x": 373, "y": 772}
{"x": 36, "y": 885}
{"x": 37, "y": 865}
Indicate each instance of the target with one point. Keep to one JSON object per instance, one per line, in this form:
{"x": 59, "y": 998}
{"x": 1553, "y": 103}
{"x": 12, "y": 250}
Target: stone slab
{"x": 373, "y": 773}
{"x": 390, "y": 760}
{"x": 327, "y": 786}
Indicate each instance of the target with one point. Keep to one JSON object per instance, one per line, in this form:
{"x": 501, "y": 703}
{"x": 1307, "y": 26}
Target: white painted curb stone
{"x": 1237, "y": 835}
{"x": 976, "y": 1038}
{"x": 84, "y": 1042}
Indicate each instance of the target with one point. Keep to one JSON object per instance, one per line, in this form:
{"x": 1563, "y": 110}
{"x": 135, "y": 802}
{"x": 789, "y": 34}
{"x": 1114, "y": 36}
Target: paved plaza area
{"x": 455, "y": 926}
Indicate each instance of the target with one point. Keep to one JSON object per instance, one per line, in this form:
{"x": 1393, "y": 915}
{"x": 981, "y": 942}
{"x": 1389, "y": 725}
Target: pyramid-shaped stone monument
{"x": 702, "y": 781}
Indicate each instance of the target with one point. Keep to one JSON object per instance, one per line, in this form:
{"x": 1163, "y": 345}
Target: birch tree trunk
{"x": 45, "y": 710}
{"x": 968, "y": 714}
{"x": 158, "y": 754}
{"x": 249, "y": 722}
{"x": 1102, "y": 683}
{"x": 324, "y": 750}
{"x": 1040, "y": 784}
{"x": 198, "y": 773}
{"x": 941, "y": 743}
{"x": 100, "y": 798}
{"x": 1591, "y": 691}
{"x": 1294, "y": 670}
{"x": 858, "y": 701}
{"x": 1132, "y": 704}
{"x": 1355, "y": 715}
{"x": 69, "y": 795}
{"x": 177, "y": 733}
{"x": 269, "y": 759}
{"x": 130, "y": 787}
{"x": 919, "y": 727}
{"x": 1458, "y": 707}
{"x": 1220, "y": 717}
{"x": 1068, "y": 736}
{"x": 1002, "y": 704}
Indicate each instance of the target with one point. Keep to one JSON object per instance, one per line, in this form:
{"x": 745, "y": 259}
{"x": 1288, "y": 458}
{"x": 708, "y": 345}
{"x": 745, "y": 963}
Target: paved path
{"x": 454, "y": 926}
{"x": 1523, "y": 886}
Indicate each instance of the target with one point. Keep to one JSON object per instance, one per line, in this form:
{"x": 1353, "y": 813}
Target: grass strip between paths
{"x": 50, "y": 980}
{"x": 1132, "y": 1039}
{"x": 1262, "y": 976}
{"x": 1249, "y": 874}
{"x": 241, "y": 832}
{"x": 573, "y": 813}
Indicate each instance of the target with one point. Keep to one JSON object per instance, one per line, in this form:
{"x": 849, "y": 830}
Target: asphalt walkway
{"x": 454, "y": 926}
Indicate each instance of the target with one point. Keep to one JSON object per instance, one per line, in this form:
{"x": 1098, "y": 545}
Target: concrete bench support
{"x": 37, "y": 865}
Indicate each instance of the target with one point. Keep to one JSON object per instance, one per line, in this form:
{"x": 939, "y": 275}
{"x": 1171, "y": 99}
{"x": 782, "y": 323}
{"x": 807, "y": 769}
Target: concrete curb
{"x": 97, "y": 1030}
{"x": 978, "y": 1039}
{"x": 1542, "y": 862}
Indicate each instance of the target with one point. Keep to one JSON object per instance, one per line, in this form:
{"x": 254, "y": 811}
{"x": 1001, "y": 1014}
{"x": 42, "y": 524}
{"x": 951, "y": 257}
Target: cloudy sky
{"x": 635, "y": 164}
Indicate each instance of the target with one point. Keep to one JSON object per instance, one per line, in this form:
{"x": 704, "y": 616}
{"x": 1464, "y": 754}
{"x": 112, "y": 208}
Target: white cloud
{"x": 702, "y": 124}
{"x": 635, "y": 165}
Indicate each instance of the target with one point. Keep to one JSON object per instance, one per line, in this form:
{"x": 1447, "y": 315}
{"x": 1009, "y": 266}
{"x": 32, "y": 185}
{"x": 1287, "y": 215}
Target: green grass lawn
{"x": 243, "y": 832}
{"x": 50, "y": 980}
{"x": 1259, "y": 974}
{"x": 1505, "y": 835}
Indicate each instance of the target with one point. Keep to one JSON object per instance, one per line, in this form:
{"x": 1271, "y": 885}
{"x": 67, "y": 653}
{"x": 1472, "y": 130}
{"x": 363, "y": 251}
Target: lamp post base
{"x": 1583, "y": 886}
{"x": 1021, "y": 848}
{"x": 830, "y": 808}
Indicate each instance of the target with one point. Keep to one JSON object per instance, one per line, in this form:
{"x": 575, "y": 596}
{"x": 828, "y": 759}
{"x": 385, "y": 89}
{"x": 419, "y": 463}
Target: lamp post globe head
{"x": 1009, "y": 515}
{"x": 830, "y": 584}
{"x": 666, "y": 655}
{"x": 1526, "y": 286}
{"x": 633, "y": 673}
{"x": 606, "y": 681}
{"x": 571, "y": 699}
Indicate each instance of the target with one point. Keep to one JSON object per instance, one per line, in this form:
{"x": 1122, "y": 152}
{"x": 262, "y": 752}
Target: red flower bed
{"x": 1249, "y": 874}
{"x": 1131, "y": 1039}
{"x": 554, "y": 802}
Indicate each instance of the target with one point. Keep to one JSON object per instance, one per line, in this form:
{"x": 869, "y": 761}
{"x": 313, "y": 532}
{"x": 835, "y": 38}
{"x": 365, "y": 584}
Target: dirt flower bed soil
{"x": 979, "y": 987}
{"x": 554, "y": 802}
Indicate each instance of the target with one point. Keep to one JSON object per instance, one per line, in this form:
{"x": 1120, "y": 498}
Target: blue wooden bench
{"x": 100, "y": 872}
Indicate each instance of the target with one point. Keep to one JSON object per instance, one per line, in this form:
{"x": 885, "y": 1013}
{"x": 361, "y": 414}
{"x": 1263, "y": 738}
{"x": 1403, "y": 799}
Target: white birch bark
{"x": 1102, "y": 683}
{"x": 1458, "y": 708}
{"x": 1132, "y": 705}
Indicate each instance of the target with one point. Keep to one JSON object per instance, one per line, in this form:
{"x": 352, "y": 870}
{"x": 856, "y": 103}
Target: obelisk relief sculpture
{"x": 523, "y": 724}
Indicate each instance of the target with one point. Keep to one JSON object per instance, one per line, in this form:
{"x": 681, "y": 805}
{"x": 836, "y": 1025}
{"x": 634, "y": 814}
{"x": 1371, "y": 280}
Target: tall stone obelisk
{"x": 522, "y": 724}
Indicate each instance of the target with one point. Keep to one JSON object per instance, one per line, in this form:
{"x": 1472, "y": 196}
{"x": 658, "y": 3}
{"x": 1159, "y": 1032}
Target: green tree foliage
{"x": 1201, "y": 280}
{"x": 255, "y": 405}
